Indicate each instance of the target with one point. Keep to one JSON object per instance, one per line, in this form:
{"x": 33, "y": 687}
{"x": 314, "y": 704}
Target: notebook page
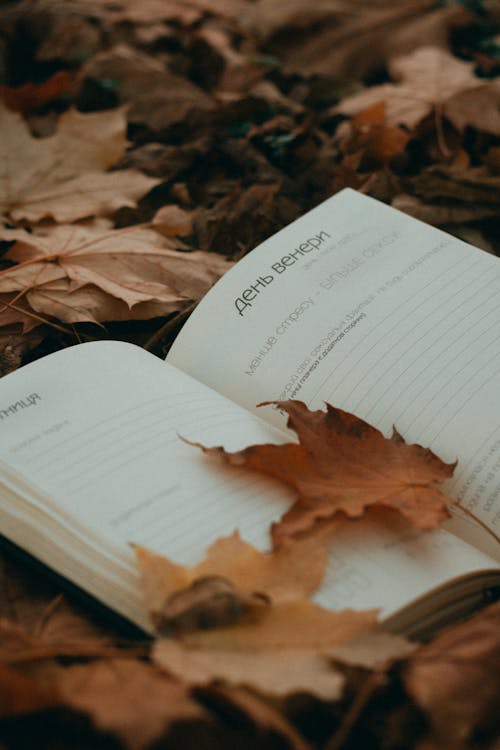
{"x": 101, "y": 440}
{"x": 361, "y": 306}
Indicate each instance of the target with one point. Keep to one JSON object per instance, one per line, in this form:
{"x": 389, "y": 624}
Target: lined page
{"x": 374, "y": 312}
{"x": 108, "y": 452}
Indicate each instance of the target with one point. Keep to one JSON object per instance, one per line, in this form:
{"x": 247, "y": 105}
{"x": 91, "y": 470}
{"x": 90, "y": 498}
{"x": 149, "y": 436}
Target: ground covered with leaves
{"x": 145, "y": 146}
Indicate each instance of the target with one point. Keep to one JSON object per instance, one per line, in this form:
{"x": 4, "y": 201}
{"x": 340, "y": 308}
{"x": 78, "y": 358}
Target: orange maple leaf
{"x": 344, "y": 465}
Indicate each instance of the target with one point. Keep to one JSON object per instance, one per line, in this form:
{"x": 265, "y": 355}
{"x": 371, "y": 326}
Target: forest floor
{"x": 199, "y": 128}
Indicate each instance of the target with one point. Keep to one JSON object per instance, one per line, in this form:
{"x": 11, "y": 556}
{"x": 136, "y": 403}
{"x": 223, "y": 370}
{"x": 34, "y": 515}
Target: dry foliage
{"x": 143, "y": 146}
{"x": 225, "y": 121}
{"x": 62, "y": 678}
{"x": 242, "y": 616}
{"x": 430, "y": 80}
{"x": 89, "y": 273}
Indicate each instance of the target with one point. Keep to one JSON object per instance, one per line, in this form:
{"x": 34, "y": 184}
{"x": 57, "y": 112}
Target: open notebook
{"x": 355, "y": 304}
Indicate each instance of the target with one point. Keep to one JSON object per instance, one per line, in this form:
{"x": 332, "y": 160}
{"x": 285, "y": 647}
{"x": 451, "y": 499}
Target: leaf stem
{"x": 168, "y": 326}
{"x": 34, "y": 315}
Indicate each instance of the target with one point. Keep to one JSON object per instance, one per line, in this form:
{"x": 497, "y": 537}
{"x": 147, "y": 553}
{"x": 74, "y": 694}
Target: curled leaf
{"x": 207, "y": 603}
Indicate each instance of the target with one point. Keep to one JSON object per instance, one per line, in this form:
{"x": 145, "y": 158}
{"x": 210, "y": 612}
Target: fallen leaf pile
{"x": 229, "y": 673}
{"x": 84, "y": 273}
{"x": 144, "y": 147}
{"x": 211, "y": 125}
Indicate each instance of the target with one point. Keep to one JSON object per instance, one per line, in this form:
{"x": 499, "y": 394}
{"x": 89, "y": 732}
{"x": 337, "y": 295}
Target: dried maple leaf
{"x": 293, "y": 647}
{"x": 430, "y": 79}
{"x": 84, "y": 273}
{"x": 286, "y": 644}
{"x": 455, "y": 680}
{"x": 344, "y": 465}
{"x": 277, "y": 672}
{"x": 63, "y": 176}
{"x": 280, "y": 575}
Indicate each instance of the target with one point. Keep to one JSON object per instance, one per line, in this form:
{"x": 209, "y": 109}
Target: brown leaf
{"x": 243, "y": 218}
{"x": 349, "y": 38}
{"x": 292, "y": 648}
{"x": 344, "y": 465}
{"x": 279, "y": 644}
{"x": 455, "y": 680}
{"x": 85, "y": 273}
{"x": 429, "y": 79}
{"x": 135, "y": 706}
{"x": 36, "y": 622}
{"x": 167, "y": 162}
{"x": 16, "y": 316}
{"x": 63, "y": 176}
{"x": 219, "y": 64}
{"x": 32, "y": 601}
{"x": 371, "y": 142}
{"x": 172, "y": 221}
{"x": 477, "y": 107}
{"x": 132, "y": 700}
{"x": 441, "y": 214}
{"x": 90, "y": 305}
{"x": 298, "y": 625}
{"x": 276, "y": 672}
{"x": 287, "y": 650}
{"x": 280, "y": 574}
{"x": 158, "y": 98}
{"x": 467, "y": 187}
